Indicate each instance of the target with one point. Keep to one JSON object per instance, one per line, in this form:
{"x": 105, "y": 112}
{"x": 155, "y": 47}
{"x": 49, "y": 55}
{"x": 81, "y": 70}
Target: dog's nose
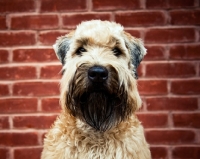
{"x": 98, "y": 74}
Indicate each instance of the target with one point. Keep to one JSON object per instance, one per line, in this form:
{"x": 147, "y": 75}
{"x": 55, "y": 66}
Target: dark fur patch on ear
{"x": 137, "y": 50}
{"x": 137, "y": 54}
{"x": 61, "y": 48}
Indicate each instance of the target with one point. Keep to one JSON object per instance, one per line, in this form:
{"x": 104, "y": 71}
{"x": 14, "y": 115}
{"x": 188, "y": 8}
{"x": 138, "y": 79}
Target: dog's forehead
{"x": 97, "y": 25}
{"x": 99, "y": 31}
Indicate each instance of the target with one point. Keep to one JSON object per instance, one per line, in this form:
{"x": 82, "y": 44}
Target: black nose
{"x": 98, "y": 74}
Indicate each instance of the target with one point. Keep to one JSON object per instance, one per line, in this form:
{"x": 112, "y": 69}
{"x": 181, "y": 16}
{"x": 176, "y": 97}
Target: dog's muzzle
{"x": 95, "y": 97}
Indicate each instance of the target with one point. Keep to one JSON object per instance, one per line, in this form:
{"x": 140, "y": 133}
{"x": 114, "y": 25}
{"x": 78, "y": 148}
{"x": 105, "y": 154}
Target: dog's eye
{"x": 117, "y": 51}
{"x": 80, "y": 50}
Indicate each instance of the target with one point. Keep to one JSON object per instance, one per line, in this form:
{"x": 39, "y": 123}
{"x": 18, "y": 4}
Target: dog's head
{"x": 100, "y": 63}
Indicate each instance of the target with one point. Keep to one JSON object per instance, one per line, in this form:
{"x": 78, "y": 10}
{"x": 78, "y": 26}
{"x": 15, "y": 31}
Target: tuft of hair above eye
{"x": 117, "y": 51}
{"x": 80, "y": 50}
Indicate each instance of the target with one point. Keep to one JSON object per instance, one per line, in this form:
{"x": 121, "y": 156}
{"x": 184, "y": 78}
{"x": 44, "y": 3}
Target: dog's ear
{"x": 137, "y": 51}
{"x": 61, "y": 47}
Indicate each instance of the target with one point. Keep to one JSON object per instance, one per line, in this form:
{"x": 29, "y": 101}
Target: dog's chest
{"x": 99, "y": 147}
{"x": 110, "y": 145}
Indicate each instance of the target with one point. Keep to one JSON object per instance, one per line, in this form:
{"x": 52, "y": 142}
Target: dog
{"x": 99, "y": 95}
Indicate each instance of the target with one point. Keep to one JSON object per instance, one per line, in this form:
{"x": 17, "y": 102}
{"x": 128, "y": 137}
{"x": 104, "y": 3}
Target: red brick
{"x": 134, "y": 33}
{"x": 199, "y": 70}
{"x": 36, "y": 88}
{"x": 152, "y": 87}
{"x": 140, "y": 18}
{"x": 170, "y": 69}
{"x": 4, "y": 89}
{"x": 36, "y": 122}
{"x": 34, "y": 55}
{"x": 51, "y": 72}
{"x": 140, "y": 71}
{"x": 186, "y": 120}
{"x": 158, "y": 152}
{"x": 18, "y": 105}
{"x": 156, "y": 4}
{"x": 153, "y": 120}
{"x": 4, "y": 124}
{"x": 186, "y": 152}
{"x": 170, "y": 35}
{"x": 181, "y": 3}
{"x": 199, "y": 35}
{"x": 118, "y": 4}
{"x": 185, "y": 87}
{"x": 72, "y": 20}
{"x": 4, "y": 153}
{"x": 23, "y": 72}
{"x": 63, "y": 5}
{"x": 155, "y": 53}
{"x": 49, "y": 37}
{"x": 185, "y": 17}
{"x": 18, "y": 139}
{"x": 17, "y": 6}
{"x": 173, "y": 103}
{"x": 34, "y": 22}
{"x": 170, "y": 136}
{"x": 4, "y": 56}
{"x": 17, "y": 38}
{"x": 2, "y": 22}
{"x": 30, "y": 153}
{"x": 50, "y": 105}
{"x": 188, "y": 52}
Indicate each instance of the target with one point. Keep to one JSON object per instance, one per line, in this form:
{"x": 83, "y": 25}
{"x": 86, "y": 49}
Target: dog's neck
{"x": 116, "y": 129}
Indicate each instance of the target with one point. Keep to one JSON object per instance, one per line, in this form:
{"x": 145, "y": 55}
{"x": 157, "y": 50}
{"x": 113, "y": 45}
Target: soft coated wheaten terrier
{"x": 99, "y": 95}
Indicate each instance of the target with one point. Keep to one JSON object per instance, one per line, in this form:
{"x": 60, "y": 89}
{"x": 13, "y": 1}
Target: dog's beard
{"x": 102, "y": 106}
{"x": 100, "y": 110}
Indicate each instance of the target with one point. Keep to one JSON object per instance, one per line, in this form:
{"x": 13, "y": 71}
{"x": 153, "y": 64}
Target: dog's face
{"x": 99, "y": 73}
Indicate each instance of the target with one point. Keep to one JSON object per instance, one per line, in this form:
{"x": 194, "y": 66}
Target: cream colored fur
{"x": 72, "y": 138}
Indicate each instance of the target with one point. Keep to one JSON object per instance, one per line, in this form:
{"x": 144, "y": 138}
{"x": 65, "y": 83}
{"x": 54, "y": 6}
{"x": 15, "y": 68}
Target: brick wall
{"x": 169, "y": 76}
